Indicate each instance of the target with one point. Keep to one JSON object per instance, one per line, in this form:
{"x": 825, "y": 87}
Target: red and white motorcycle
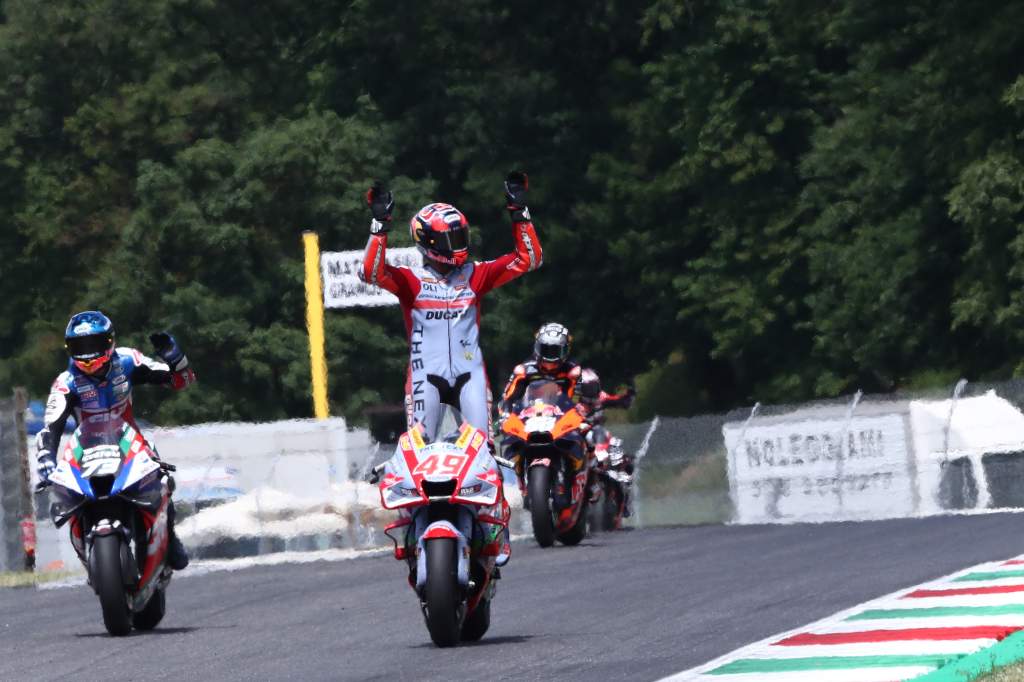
{"x": 611, "y": 491}
{"x": 111, "y": 488}
{"x": 452, "y": 526}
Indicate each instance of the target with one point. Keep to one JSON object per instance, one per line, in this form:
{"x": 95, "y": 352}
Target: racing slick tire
{"x": 153, "y": 612}
{"x": 477, "y": 622}
{"x": 442, "y": 595}
{"x": 539, "y": 490}
{"x": 105, "y": 573}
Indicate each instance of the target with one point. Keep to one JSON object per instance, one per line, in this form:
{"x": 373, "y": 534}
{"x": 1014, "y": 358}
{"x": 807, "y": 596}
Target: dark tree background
{"x": 739, "y": 200}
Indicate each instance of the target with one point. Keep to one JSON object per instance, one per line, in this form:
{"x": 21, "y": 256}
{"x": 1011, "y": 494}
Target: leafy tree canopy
{"x": 738, "y": 200}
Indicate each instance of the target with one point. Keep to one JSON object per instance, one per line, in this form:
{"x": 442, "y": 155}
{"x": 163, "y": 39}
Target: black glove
{"x": 381, "y": 203}
{"x": 167, "y": 348}
{"x": 516, "y": 184}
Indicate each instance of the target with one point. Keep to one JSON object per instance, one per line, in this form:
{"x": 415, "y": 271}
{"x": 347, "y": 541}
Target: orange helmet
{"x": 441, "y": 233}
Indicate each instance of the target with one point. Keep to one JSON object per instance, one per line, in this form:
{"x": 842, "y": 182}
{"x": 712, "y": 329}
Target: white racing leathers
{"x": 442, "y": 319}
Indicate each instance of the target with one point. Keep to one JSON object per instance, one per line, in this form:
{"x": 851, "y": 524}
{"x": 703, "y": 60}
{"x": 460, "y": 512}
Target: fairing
{"x": 106, "y": 446}
{"x": 455, "y": 466}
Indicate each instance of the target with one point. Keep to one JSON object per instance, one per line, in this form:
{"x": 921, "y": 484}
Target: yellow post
{"x": 315, "y": 323}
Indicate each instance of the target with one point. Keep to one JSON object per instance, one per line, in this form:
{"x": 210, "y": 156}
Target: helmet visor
{"x": 456, "y": 239}
{"x": 88, "y": 347}
{"x": 551, "y": 352}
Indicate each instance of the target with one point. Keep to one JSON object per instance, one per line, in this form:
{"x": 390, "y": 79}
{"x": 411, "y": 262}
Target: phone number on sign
{"x": 823, "y": 485}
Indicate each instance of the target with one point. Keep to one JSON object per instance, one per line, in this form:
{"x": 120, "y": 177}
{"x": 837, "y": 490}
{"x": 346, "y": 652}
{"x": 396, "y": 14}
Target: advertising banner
{"x": 824, "y": 469}
{"x": 344, "y": 289}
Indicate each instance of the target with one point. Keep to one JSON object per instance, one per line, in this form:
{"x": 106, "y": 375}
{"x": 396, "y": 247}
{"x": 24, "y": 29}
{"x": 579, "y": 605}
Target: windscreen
{"x": 548, "y": 392}
{"x": 100, "y": 429}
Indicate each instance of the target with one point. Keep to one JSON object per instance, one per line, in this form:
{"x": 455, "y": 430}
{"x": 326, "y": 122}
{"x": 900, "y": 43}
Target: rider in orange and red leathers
{"x": 550, "y": 361}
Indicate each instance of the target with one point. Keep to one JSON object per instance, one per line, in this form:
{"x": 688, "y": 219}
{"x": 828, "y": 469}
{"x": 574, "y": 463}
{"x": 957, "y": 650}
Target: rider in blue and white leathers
{"x": 98, "y": 383}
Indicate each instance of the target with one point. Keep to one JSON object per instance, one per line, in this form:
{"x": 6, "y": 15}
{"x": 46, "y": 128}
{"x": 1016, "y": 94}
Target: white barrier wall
{"x": 301, "y": 456}
{"x": 965, "y": 434}
{"x": 820, "y": 467}
{"x": 875, "y": 459}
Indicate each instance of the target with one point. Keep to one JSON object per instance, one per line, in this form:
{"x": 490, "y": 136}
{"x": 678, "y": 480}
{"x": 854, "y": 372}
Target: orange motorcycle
{"x": 545, "y": 437}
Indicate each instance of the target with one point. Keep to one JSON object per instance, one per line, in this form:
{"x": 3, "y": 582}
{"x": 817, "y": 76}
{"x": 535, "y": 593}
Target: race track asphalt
{"x": 631, "y": 605}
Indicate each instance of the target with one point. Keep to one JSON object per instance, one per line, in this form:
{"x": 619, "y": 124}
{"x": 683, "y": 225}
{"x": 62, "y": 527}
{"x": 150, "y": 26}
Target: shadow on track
{"x": 504, "y": 639}
{"x": 159, "y": 631}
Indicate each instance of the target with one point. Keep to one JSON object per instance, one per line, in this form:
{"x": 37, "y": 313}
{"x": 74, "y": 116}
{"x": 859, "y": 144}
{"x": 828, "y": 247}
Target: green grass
{"x": 29, "y": 579}
{"x": 1009, "y": 673}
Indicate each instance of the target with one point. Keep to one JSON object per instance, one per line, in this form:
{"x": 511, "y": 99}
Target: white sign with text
{"x": 820, "y": 469}
{"x": 344, "y": 289}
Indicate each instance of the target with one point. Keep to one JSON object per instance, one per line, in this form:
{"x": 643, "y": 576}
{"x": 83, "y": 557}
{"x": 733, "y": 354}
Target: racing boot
{"x": 177, "y": 557}
{"x": 505, "y": 552}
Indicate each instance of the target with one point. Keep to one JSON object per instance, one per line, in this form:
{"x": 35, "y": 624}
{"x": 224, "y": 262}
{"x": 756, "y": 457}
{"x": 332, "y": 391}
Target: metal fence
{"x": 17, "y": 528}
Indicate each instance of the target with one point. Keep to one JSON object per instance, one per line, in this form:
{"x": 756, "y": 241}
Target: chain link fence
{"x": 17, "y": 527}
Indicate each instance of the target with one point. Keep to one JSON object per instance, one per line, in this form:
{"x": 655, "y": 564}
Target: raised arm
{"x": 174, "y": 370}
{"x": 527, "y": 256}
{"x": 375, "y": 270}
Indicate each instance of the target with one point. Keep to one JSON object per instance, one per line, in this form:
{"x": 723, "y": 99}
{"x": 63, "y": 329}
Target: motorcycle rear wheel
{"x": 610, "y": 510}
{"x": 575, "y": 535}
{"x": 153, "y": 612}
{"x": 105, "y": 573}
{"x": 442, "y": 594}
{"x": 477, "y": 622}
{"x": 539, "y": 490}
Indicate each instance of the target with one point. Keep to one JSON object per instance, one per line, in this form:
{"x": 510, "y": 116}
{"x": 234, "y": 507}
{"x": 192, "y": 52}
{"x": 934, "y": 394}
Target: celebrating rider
{"x": 98, "y": 383}
{"x": 441, "y": 300}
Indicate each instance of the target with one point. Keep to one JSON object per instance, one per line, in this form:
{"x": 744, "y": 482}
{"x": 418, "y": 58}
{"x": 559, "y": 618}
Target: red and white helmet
{"x": 441, "y": 233}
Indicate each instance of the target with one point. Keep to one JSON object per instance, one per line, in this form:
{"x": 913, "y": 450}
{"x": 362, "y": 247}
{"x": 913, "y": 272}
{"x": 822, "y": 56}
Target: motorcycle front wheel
{"x": 442, "y": 596}
{"x": 539, "y": 490}
{"x": 105, "y": 573}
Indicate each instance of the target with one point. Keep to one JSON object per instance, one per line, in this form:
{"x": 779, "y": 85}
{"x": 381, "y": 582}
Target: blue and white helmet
{"x": 89, "y": 340}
